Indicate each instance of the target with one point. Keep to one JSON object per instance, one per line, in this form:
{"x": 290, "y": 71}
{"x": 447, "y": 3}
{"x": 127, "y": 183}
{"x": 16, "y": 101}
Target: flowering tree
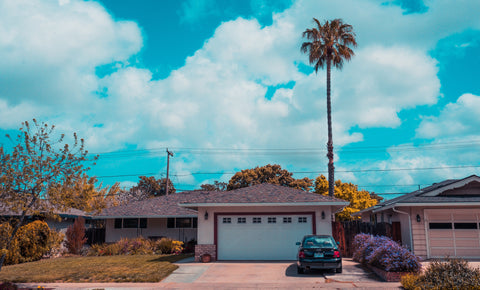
{"x": 43, "y": 174}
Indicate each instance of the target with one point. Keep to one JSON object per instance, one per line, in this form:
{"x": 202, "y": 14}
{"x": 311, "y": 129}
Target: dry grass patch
{"x": 132, "y": 268}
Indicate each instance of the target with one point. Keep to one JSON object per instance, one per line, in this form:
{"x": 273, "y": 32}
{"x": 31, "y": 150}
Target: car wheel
{"x": 338, "y": 270}
{"x": 300, "y": 270}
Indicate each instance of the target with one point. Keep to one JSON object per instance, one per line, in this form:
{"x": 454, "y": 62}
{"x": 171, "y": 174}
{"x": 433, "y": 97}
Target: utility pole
{"x": 168, "y": 166}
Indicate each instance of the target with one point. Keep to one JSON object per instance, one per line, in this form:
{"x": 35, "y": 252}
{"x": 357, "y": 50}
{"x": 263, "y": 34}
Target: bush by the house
{"x": 450, "y": 274}
{"x": 75, "y": 236}
{"x": 384, "y": 253}
{"x": 31, "y": 242}
{"x": 137, "y": 246}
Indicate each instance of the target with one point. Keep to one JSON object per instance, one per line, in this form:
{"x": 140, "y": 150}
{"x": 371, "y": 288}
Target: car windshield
{"x": 318, "y": 242}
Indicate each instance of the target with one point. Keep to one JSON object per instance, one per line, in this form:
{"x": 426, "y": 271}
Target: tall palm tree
{"x": 329, "y": 44}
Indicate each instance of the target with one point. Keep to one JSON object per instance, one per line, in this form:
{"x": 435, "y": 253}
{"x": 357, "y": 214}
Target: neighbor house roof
{"x": 449, "y": 192}
{"x": 261, "y": 195}
{"x": 72, "y": 212}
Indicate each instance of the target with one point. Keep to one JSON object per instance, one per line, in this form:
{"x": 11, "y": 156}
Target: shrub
{"x": 75, "y": 236}
{"x": 359, "y": 244}
{"x": 410, "y": 281}
{"x": 168, "y": 246}
{"x": 384, "y": 253}
{"x": 451, "y": 274}
{"x": 31, "y": 242}
{"x": 8, "y": 286}
{"x": 137, "y": 246}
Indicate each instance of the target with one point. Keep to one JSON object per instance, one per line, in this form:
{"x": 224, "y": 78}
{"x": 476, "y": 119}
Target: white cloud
{"x": 459, "y": 119}
{"x": 217, "y": 99}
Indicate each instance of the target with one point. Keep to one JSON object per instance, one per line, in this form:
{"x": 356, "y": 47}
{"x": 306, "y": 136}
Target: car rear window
{"x": 318, "y": 242}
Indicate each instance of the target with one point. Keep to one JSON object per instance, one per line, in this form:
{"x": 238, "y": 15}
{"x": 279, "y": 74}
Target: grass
{"x": 131, "y": 268}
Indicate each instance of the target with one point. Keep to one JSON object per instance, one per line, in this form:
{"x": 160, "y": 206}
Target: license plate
{"x": 318, "y": 255}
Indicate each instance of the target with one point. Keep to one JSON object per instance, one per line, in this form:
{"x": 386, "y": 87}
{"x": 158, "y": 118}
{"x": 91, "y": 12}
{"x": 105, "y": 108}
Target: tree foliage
{"x": 75, "y": 236}
{"x": 154, "y": 187}
{"x": 216, "y": 186}
{"x": 43, "y": 174}
{"x": 359, "y": 199}
{"x": 273, "y": 174}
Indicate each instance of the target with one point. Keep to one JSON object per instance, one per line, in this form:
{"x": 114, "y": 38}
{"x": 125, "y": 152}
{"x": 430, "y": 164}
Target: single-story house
{"x": 436, "y": 221}
{"x": 261, "y": 222}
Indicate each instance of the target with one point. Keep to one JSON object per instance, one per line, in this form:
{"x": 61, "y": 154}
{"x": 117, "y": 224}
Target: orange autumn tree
{"x": 359, "y": 199}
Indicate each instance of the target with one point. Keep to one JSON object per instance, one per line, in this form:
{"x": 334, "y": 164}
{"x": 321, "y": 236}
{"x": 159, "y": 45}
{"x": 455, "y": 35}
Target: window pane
{"x": 272, "y": 220}
{"x": 171, "y": 223}
{"x": 465, "y": 226}
{"x": 287, "y": 220}
{"x": 130, "y": 223}
{"x": 257, "y": 220}
{"x": 227, "y": 220}
{"x": 143, "y": 223}
{"x": 195, "y": 223}
{"x": 118, "y": 223}
{"x": 183, "y": 223}
{"x": 241, "y": 220}
{"x": 440, "y": 226}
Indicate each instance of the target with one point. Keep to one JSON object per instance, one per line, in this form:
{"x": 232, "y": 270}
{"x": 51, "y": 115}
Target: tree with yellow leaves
{"x": 359, "y": 199}
{"x": 44, "y": 175}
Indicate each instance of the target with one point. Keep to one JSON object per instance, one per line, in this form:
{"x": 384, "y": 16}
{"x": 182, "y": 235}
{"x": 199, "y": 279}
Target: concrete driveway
{"x": 261, "y": 275}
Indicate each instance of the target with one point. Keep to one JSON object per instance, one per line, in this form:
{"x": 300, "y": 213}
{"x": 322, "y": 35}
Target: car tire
{"x": 300, "y": 270}
{"x": 338, "y": 270}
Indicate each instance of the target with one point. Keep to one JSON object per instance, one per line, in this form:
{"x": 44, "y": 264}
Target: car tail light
{"x": 301, "y": 254}
{"x": 336, "y": 254}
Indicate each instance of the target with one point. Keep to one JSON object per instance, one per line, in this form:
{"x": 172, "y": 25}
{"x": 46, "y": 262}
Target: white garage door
{"x": 453, "y": 233}
{"x": 262, "y": 237}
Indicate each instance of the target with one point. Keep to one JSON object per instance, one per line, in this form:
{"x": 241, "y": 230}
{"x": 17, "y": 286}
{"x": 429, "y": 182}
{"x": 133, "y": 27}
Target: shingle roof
{"x": 175, "y": 204}
{"x": 431, "y": 195}
{"x": 262, "y": 193}
{"x": 162, "y": 206}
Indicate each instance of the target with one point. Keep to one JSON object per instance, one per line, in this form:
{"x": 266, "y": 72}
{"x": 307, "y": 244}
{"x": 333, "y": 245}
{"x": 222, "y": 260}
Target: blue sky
{"x": 223, "y": 85}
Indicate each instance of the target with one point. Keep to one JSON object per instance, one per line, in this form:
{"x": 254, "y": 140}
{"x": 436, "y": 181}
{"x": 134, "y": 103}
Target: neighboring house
{"x": 151, "y": 218}
{"x": 437, "y": 221}
{"x": 261, "y": 222}
{"x": 63, "y": 220}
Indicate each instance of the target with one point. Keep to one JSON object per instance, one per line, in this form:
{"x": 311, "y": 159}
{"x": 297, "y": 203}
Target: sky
{"x": 224, "y": 86}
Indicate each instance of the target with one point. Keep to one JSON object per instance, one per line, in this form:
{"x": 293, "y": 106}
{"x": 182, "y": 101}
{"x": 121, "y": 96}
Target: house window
{"x": 257, "y": 220}
{"x": 465, "y": 226}
{"x": 143, "y": 223}
{"x": 182, "y": 223}
{"x": 227, "y": 220}
{"x": 118, "y": 223}
{"x": 287, "y": 220}
{"x": 130, "y": 223}
{"x": 272, "y": 220}
{"x": 302, "y": 220}
{"x": 440, "y": 226}
{"x": 242, "y": 220}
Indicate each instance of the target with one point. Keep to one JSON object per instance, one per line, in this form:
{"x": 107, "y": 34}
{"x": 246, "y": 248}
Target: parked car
{"x": 318, "y": 252}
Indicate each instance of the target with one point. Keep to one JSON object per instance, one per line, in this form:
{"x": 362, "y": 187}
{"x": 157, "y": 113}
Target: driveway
{"x": 278, "y": 275}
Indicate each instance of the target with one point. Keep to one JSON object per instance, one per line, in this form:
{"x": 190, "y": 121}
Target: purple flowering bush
{"x": 384, "y": 253}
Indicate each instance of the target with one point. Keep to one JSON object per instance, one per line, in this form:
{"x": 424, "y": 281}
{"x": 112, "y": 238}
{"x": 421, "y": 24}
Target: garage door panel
{"x": 260, "y": 240}
{"x": 441, "y": 243}
{"x": 468, "y": 234}
{"x": 464, "y": 216}
{"x": 468, "y": 252}
{"x": 441, "y": 234}
{"x": 467, "y": 243}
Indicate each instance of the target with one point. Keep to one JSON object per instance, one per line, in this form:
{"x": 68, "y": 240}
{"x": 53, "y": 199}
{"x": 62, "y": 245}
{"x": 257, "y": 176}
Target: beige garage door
{"x": 453, "y": 233}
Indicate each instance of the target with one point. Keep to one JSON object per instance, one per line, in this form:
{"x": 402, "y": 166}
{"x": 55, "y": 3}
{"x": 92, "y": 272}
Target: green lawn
{"x": 133, "y": 268}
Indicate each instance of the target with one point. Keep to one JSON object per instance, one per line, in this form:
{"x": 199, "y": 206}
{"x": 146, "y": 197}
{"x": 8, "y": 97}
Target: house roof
{"x": 449, "y": 192}
{"x": 261, "y": 195}
{"x": 162, "y": 206}
{"x": 72, "y": 212}
{"x": 184, "y": 204}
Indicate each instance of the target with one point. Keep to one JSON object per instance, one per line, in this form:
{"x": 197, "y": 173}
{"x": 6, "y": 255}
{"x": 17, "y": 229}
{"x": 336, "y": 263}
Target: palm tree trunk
{"x": 331, "y": 168}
